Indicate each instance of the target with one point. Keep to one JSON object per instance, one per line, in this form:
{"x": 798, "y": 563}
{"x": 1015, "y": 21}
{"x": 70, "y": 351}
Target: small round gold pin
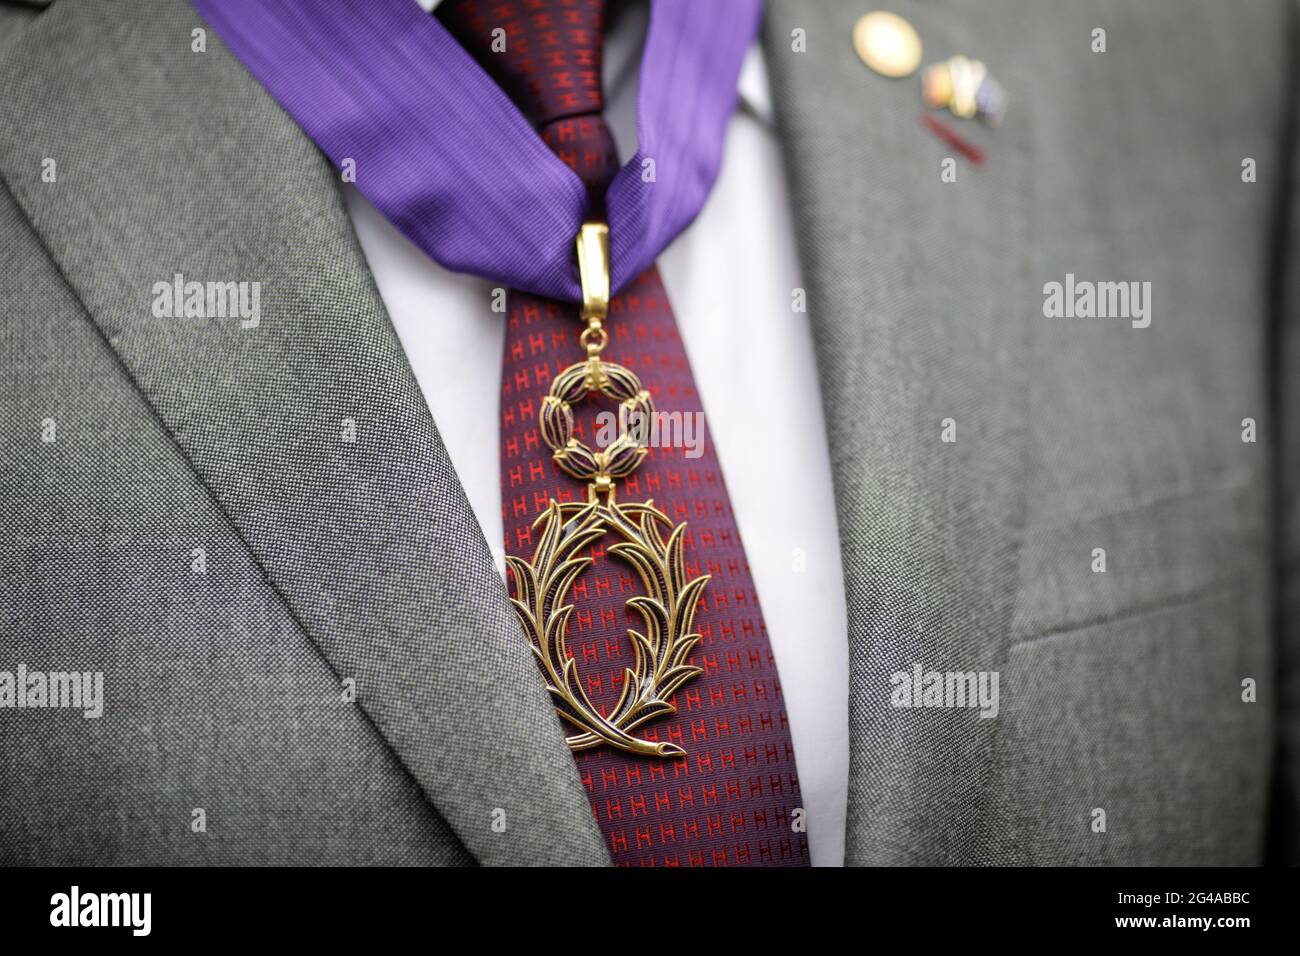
{"x": 887, "y": 43}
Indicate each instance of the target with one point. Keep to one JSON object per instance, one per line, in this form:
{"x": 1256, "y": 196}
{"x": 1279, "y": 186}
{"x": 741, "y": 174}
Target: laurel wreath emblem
{"x": 666, "y": 609}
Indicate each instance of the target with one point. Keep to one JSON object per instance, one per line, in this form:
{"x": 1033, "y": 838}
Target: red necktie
{"x": 733, "y": 799}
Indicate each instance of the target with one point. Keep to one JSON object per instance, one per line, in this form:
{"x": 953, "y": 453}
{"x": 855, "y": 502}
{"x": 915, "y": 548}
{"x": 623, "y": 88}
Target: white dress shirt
{"x": 731, "y": 277}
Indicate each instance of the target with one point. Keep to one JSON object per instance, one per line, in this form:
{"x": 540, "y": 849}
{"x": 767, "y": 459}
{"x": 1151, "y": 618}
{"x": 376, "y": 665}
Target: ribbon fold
{"x": 445, "y": 155}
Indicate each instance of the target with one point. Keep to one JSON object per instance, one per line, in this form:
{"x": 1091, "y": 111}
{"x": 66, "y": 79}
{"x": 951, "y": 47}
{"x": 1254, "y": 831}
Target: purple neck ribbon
{"x": 445, "y": 155}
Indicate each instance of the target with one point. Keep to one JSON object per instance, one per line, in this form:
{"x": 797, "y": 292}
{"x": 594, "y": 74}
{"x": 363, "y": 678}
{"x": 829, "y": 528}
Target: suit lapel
{"x": 919, "y": 299}
{"x": 171, "y": 161}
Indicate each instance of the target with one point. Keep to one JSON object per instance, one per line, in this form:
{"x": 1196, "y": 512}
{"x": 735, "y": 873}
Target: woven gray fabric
{"x": 1285, "y": 845}
{"x": 12, "y": 20}
{"x": 329, "y": 560}
{"x": 1121, "y": 690}
{"x": 214, "y": 699}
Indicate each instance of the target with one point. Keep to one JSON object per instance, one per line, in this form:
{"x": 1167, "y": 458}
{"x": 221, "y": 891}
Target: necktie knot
{"x": 547, "y": 56}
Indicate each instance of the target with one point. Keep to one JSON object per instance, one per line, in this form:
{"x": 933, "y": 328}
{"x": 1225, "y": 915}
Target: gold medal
{"x": 647, "y": 540}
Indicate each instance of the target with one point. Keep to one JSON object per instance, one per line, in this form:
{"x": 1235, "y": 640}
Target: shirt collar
{"x": 752, "y": 84}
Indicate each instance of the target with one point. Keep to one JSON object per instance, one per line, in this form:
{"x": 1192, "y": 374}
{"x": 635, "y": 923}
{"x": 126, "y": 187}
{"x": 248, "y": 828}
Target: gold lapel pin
{"x": 965, "y": 87}
{"x": 887, "y": 43}
{"x": 891, "y": 46}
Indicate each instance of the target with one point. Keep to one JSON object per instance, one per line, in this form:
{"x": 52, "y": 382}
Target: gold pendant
{"x": 541, "y": 587}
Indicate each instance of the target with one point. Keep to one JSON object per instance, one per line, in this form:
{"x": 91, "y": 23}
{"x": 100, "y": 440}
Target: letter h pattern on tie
{"x": 734, "y": 798}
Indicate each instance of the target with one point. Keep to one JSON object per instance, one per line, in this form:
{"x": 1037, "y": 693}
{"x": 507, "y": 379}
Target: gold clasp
{"x": 593, "y": 270}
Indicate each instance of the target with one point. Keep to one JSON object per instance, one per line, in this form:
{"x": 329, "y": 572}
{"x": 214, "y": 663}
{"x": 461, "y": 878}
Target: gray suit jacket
{"x": 333, "y": 565}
